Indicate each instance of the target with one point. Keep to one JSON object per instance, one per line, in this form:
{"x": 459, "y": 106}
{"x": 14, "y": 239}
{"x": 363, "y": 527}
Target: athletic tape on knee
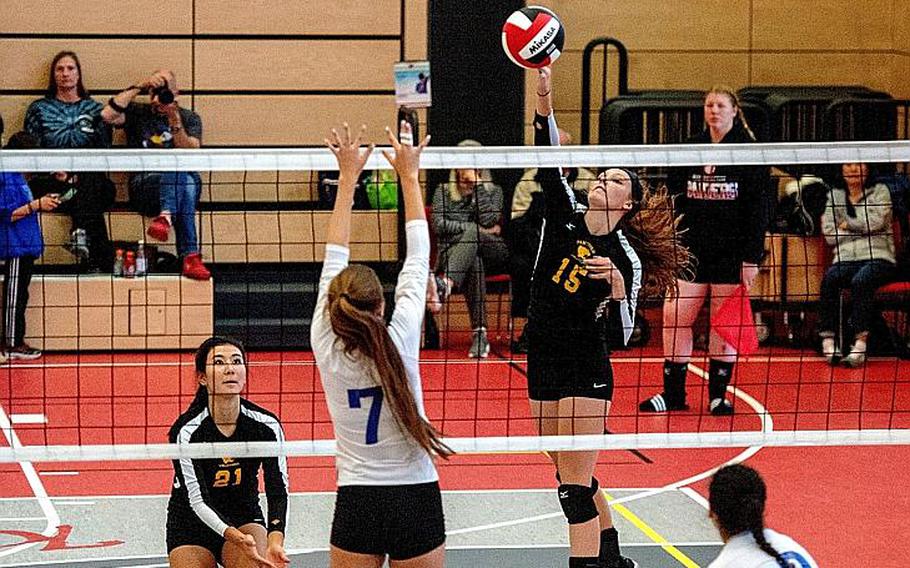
{"x": 577, "y": 502}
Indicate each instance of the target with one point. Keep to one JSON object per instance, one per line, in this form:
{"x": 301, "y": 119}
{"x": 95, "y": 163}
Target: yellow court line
{"x": 651, "y": 533}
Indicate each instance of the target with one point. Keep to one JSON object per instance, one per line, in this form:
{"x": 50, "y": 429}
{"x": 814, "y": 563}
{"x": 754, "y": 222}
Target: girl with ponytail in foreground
{"x": 737, "y": 496}
{"x": 388, "y": 502}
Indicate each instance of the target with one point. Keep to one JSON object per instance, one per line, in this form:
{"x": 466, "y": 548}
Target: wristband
{"x": 113, "y": 104}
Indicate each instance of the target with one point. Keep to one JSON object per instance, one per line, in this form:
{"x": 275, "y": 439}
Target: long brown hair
{"x": 734, "y": 100}
{"x": 354, "y": 298}
{"x": 654, "y": 233}
{"x": 51, "y": 92}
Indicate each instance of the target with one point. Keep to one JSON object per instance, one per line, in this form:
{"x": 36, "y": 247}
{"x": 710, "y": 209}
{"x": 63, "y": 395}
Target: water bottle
{"x": 141, "y": 263}
{"x": 118, "y": 263}
{"x": 129, "y": 265}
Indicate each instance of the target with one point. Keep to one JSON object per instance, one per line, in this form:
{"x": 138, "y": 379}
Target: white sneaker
{"x": 480, "y": 346}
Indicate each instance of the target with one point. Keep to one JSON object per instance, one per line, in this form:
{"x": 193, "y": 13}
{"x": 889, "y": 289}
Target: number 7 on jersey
{"x": 354, "y": 397}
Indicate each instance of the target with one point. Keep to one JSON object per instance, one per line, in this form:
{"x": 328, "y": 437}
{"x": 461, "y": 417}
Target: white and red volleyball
{"x": 533, "y": 37}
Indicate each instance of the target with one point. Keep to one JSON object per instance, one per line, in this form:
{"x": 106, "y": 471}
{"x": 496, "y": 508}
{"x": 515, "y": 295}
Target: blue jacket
{"x": 23, "y": 237}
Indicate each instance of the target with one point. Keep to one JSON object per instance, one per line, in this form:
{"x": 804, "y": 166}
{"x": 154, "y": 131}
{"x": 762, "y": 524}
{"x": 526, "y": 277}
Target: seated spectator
{"x": 736, "y": 497}
{"x": 524, "y": 235}
{"x": 169, "y": 197}
{"x": 857, "y": 225}
{"x": 467, "y": 219}
{"x": 66, "y": 117}
{"x": 21, "y": 243}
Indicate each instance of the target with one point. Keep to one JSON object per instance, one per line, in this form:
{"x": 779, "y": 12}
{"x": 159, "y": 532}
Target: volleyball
{"x": 533, "y": 37}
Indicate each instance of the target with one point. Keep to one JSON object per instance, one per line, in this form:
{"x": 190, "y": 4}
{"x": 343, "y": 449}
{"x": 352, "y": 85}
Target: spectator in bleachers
{"x": 857, "y": 225}
{"x": 467, "y": 219}
{"x": 724, "y": 218}
{"x": 170, "y": 197}
{"x": 21, "y": 243}
{"x": 524, "y": 235}
{"x": 67, "y": 117}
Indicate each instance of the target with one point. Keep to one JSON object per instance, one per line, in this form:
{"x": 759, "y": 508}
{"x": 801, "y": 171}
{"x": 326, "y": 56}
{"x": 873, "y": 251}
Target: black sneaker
{"x": 661, "y": 403}
{"x": 721, "y": 407}
{"x": 622, "y": 562}
{"x": 24, "y": 352}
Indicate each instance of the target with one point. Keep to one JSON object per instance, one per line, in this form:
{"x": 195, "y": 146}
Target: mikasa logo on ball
{"x": 541, "y": 40}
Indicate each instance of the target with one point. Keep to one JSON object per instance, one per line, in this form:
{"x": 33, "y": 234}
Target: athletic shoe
{"x": 623, "y": 562}
{"x": 194, "y": 268}
{"x": 480, "y": 346}
{"x": 661, "y": 403}
{"x": 855, "y": 359}
{"x": 159, "y": 229}
{"x": 721, "y": 407}
{"x": 24, "y": 352}
{"x": 3, "y": 357}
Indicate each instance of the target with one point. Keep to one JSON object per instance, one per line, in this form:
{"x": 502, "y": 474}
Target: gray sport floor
{"x": 501, "y": 529}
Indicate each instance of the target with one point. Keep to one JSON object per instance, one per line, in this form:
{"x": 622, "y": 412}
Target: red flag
{"x": 734, "y": 322}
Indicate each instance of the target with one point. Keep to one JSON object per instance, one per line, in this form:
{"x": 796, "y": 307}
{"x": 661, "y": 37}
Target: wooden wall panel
{"x": 415, "y": 29}
{"x": 828, "y": 25}
{"x": 871, "y": 70}
{"x": 97, "y": 16}
{"x": 110, "y": 64}
{"x": 901, "y": 22}
{"x": 290, "y": 64}
{"x": 657, "y": 24}
{"x": 260, "y": 120}
{"x": 312, "y": 17}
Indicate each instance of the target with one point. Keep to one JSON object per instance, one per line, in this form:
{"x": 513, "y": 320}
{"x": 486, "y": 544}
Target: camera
{"x": 164, "y": 94}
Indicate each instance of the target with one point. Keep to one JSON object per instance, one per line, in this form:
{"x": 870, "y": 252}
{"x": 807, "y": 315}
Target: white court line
{"x": 696, "y": 496}
{"x": 299, "y": 551}
{"x": 309, "y": 493}
{"x": 767, "y": 426}
{"x": 28, "y": 419}
{"x": 38, "y": 490}
{"x": 57, "y": 473}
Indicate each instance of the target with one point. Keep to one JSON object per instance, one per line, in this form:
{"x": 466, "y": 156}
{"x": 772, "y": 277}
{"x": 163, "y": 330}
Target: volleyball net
{"x": 117, "y": 367}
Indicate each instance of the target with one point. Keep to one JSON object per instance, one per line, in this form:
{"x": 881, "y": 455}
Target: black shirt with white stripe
{"x": 219, "y": 491}
{"x": 565, "y": 302}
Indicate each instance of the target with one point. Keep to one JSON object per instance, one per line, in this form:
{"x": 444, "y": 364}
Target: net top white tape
{"x": 483, "y": 445}
{"x": 490, "y": 157}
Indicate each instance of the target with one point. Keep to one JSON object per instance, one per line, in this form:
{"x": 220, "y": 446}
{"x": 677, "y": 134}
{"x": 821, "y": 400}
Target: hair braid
{"x": 759, "y": 534}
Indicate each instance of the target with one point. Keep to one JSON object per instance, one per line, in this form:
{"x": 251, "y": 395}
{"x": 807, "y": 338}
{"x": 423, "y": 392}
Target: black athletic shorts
{"x": 576, "y": 364}
{"x": 184, "y": 528}
{"x": 401, "y": 521}
{"x": 714, "y": 269}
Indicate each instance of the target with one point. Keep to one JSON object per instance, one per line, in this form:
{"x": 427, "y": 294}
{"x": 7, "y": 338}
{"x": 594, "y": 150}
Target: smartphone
{"x": 67, "y": 195}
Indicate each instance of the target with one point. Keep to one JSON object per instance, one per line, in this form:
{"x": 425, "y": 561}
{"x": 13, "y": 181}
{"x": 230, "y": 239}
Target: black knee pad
{"x": 577, "y": 502}
{"x": 595, "y": 485}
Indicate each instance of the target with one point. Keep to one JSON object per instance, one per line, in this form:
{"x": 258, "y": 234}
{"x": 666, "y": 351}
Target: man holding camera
{"x": 169, "y": 197}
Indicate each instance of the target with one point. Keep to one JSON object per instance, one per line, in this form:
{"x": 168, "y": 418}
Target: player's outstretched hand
{"x": 406, "y": 160}
{"x": 351, "y": 157}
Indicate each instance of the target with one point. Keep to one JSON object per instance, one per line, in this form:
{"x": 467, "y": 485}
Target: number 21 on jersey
{"x": 354, "y": 398}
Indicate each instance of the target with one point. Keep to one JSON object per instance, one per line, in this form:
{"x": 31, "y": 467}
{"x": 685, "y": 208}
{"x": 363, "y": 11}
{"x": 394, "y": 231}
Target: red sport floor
{"x": 840, "y": 502}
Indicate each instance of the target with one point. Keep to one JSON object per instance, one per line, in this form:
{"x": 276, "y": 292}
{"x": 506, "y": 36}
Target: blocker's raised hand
{"x": 349, "y": 153}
